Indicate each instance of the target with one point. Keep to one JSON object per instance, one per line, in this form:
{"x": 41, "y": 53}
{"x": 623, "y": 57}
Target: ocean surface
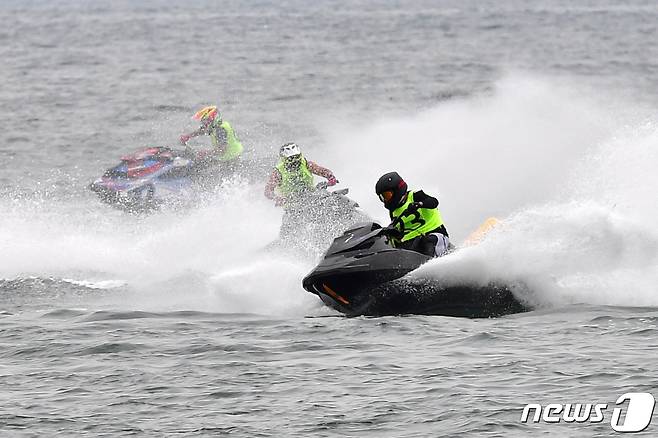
{"x": 182, "y": 323}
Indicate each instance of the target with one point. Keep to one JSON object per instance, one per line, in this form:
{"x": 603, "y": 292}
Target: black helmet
{"x": 391, "y": 188}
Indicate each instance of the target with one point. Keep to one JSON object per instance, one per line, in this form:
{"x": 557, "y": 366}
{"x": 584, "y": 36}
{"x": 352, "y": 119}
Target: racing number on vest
{"x": 417, "y": 221}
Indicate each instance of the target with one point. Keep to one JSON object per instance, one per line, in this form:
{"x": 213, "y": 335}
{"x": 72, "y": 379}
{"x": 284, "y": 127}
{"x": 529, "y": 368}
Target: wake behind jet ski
{"x": 362, "y": 273}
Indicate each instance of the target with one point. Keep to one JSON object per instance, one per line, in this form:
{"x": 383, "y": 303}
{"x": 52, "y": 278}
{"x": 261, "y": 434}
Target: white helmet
{"x": 289, "y": 150}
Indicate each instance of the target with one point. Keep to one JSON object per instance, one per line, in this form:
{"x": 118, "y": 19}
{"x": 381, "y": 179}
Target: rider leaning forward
{"x": 415, "y": 215}
{"x": 294, "y": 174}
{"x": 226, "y": 146}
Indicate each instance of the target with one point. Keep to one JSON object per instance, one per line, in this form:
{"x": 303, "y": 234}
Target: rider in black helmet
{"x": 416, "y": 216}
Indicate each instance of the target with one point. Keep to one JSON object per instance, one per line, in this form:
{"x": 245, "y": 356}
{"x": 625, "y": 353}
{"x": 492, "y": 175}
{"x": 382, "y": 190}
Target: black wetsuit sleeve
{"x": 427, "y": 200}
{"x": 430, "y": 202}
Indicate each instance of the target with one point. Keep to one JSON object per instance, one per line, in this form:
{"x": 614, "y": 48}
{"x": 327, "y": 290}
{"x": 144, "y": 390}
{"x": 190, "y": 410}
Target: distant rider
{"x": 226, "y": 146}
{"x": 293, "y": 175}
{"x": 415, "y": 215}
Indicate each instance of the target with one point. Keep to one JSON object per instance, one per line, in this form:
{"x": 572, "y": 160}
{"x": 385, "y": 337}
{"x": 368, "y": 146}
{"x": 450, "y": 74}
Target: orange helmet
{"x": 207, "y": 115}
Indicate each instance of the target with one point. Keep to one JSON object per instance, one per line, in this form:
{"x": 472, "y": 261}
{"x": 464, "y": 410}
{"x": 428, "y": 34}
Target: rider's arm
{"x": 196, "y": 133}
{"x": 272, "y": 183}
{"x": 321, "y": 171}
{"x": 427, "y": 200}
{"x": 430, "y": 202}
{"x": 186, "y": 137}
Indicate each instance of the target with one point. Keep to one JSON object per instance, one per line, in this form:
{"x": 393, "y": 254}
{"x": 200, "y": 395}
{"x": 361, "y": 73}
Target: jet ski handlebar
{"x": 390, "y": 230}
{"x": 323, "y": 185}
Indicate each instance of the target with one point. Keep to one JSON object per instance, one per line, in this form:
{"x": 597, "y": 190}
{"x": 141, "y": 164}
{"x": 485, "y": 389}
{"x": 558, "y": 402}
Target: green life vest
{"x": 233, "y": 147}
{"x": 417, "y": 223}
{"x": 295, "y": 181}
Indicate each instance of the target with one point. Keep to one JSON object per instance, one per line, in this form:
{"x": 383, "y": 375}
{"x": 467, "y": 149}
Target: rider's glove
{"x": 184, "y": 138}
{"x": 393, "y": 232}
{"x": 332, "y": 181}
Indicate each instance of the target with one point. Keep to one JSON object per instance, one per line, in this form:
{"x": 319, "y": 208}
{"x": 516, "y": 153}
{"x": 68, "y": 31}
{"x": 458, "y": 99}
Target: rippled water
{"x": 179, "y": 323}
{"x": 196, "y": 373}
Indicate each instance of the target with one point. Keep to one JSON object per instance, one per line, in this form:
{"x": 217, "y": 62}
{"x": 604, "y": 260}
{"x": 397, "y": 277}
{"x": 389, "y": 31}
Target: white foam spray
{"x": 572, "y": 180}
{"x": 481, "y": 156}
{"x": 211, "y": 258}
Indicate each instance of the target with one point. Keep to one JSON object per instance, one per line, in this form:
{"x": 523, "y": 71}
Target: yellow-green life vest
{"x": 294, "y": 181}
{"x": 233, "y": 147}
{"x": 417, "y": 223}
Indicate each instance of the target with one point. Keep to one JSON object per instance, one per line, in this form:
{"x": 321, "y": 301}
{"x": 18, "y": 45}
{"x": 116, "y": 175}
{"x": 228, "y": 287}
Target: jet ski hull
{"x": 369, "y": 277}
{"x": 406, "y": 298}
{"x": 402, "y": 296}
{"x": 146, "y": 179}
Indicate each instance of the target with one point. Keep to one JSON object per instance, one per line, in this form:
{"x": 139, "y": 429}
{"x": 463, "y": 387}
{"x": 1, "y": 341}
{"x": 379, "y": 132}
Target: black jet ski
{"x": 362, "y": 273}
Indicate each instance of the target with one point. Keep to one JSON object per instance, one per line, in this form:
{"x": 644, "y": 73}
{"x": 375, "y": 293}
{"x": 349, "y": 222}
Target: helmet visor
{"x": 386, "y": 196}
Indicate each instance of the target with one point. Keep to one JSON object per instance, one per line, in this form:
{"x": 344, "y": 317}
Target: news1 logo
{"x": 637, "y": 416}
